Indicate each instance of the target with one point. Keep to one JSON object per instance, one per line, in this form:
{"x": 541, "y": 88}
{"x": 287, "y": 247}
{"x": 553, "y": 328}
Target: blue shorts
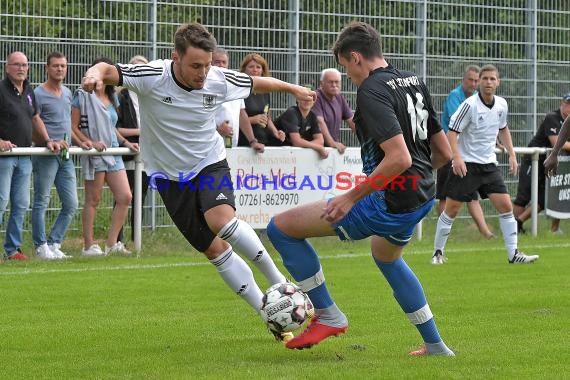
{"x": 102, "y": 166}
{"x": 370, "y": 217}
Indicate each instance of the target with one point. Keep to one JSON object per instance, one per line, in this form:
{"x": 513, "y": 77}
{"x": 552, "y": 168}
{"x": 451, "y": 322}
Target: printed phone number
{"x": 268, "y": 199}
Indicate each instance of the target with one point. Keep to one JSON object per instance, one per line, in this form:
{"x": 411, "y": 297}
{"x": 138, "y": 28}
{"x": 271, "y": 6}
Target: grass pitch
{"x": 167, "y": 315}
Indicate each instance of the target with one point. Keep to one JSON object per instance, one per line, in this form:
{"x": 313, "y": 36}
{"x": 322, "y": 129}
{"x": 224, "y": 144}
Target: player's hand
{"x": 337, "y": 208}
{"x": 513, "y": 165}
{"x": 551, "y": 164}
{"x": 459, "y": 168}
{"x": 303, "y": 93}
{"x": 91, "y": 81}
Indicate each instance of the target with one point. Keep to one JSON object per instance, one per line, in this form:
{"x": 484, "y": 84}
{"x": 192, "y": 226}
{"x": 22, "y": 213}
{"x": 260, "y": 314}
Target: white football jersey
{"x": 178, "y": 127}
{"x": 478, "y": 127}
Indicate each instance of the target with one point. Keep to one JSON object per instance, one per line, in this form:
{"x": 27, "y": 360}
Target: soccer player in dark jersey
{"x": 400, "y": 138}
{"x": 185, "y": 157}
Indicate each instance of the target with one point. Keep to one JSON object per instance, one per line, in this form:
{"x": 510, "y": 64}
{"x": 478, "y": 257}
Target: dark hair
{"x": 359, "y": 37}
{"x": 54, "y": 54}
{"x": 109, "y": 89}
{"x": 195, "y": 35}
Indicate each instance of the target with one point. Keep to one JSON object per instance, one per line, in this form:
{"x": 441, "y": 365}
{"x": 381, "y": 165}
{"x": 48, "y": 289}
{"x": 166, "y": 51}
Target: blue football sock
{"x": 301, "y": 260}
{"x": 409, "y": 293}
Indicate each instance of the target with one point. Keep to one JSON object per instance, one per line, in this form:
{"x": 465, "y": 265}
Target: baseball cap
{"x": 566, "y": 97}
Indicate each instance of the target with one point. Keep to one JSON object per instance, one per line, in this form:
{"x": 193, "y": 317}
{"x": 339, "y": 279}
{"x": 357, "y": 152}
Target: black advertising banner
{"x": 558, "y": 190}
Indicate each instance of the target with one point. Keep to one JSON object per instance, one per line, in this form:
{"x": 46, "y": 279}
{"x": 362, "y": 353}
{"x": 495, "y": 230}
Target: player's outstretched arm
{"x": 99, "y": 75}
{"x": 269, "y": 84}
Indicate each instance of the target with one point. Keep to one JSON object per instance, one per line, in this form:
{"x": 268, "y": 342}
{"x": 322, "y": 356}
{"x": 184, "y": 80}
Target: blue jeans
{"x": 49, "y": 171}
{"x": 15, "y": 173}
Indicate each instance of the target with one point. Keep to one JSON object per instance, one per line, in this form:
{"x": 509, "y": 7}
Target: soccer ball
{"x": 285, "y": 307}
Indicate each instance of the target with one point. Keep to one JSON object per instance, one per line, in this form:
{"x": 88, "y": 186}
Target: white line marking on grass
{"x": 28, "y": 271}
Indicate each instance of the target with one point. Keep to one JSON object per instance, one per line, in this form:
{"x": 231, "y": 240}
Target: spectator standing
{"x": 302, "y": 128}
{"x": 551, "y": 162}
{"x": 478, "y": 121}
{"x": 332, "y": 108}
{"x": 179, "y": 100}
{"x": 393, "y": 143}
{"x": 128, "y": 124}
{"x": 457, "y": 96}
{"x": 93, "y": 119}
{"x": 233, "y": 113}
{"x": 54, "y": 106}
{"x": 545, "y": 137}
{"x": 258, "y": 106}
{"x": 19, "y": 119}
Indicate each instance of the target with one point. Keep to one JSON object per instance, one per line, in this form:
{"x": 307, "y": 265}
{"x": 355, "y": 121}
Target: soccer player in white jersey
{"x": 178, "y": 100}
{"x": 472, "y": 136}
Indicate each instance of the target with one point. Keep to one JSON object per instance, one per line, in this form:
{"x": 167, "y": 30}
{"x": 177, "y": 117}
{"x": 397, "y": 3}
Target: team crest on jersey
{"x": 209, "y": 101}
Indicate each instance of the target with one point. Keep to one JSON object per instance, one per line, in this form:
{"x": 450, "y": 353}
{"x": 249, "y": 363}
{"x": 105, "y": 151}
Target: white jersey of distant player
{"x": 178, "y": 134}
{"x": 230, "y": 111}
{"x": 478, "y": 127}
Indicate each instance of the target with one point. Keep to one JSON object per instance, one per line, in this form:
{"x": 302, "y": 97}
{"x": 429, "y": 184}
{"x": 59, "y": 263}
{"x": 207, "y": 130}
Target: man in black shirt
{"x": 18, "y": 118}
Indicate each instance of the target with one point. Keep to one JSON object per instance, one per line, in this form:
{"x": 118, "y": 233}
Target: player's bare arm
{"x": 98, "y": 75}
{"x": 269, "y": 84}
{"x": 457, "y": 164}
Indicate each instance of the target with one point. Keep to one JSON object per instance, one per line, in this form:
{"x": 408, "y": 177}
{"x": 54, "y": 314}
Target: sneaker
{"x": 314, "y": 334}
{"x": 558, "y": 232}
{"x": 438, "y": 258}
{"x": 57, "y": 252}
{"x": 521, "y": 258}
{"x": 18, "y": 255}
{"x": 94, "y": 250}
{"x": 43, "y": 252}
{"x": 282, "y": 337}
{"x": 118, "y": 247}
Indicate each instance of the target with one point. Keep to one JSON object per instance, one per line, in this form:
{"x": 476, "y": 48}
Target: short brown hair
{"x": 488, "y": 67}
{"x": 195, "y": 35}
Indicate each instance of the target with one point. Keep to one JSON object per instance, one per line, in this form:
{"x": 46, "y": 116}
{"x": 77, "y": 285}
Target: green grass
{"x": 166, "y": 315}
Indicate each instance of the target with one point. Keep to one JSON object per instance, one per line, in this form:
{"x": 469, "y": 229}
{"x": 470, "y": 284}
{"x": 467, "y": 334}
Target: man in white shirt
{"x": 185, "y": 157}
{"x": 472, "y": 136}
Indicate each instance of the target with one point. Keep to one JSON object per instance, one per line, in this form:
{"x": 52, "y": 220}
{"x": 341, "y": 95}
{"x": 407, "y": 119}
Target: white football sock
{"x": 245, "y": 241}
{"x": 443, "y": 229}
{"x": 509, "y": 229}
{"x": 239, "y": 277}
